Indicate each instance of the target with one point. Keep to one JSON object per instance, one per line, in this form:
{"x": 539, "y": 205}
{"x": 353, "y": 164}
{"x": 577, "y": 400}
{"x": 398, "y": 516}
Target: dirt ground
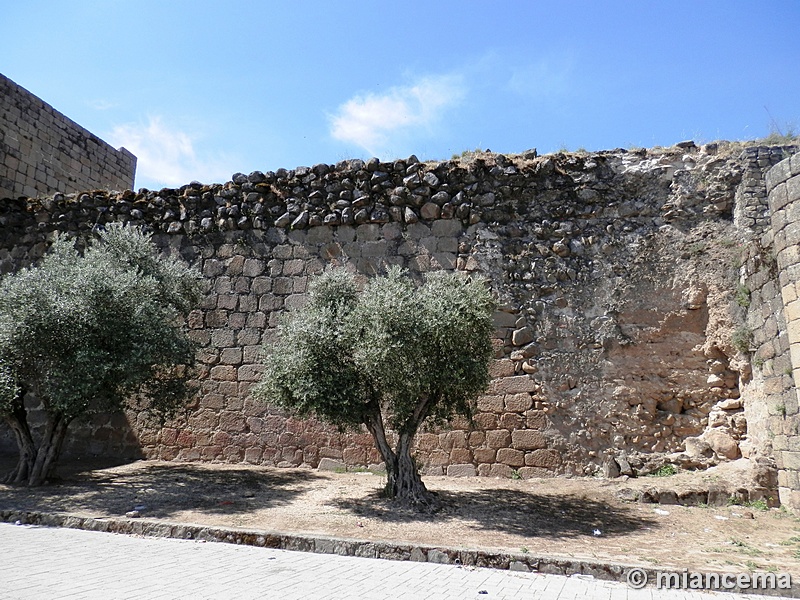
{"x": 579, "y": 518}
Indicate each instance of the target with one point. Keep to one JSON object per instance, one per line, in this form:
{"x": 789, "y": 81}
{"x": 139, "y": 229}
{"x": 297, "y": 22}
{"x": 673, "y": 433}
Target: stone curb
{"x": 320, "y": 544}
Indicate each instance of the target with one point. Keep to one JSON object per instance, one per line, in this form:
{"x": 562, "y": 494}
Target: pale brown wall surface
{"x": 43, "y": 152}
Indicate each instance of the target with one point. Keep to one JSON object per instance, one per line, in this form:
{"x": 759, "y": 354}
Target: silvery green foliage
{"x": 8, "y": 388}
{"x": 393, "y": 345}
{"x": 85, "y": 332}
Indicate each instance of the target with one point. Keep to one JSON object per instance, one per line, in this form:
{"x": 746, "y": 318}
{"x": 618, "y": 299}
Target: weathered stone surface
{"x": 527, "y": 439}
{"x": 722, "y": 443}
{"x": 511, "y": 457}
{"x": 461, "y": 470}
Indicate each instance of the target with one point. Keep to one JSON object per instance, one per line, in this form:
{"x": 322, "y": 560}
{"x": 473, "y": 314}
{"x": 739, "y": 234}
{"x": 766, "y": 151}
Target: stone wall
{"x": 44, "y": 152}
{"x": 783, "y": 186}
{"x": 618, "y": 276}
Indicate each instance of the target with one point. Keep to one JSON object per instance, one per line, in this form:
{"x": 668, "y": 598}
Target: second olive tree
{"x": 389, "y": 358}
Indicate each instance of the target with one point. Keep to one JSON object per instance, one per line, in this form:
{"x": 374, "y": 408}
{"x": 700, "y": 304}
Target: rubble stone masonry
{"x": 43, "y": 152}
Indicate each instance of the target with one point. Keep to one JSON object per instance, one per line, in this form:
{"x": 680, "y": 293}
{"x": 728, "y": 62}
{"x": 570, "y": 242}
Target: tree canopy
{"x": 393, "y": 356}
{"x": 86, "y": 332}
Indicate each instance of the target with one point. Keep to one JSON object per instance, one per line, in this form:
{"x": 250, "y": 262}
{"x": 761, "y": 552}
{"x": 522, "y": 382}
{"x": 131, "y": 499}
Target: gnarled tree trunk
{"x": 403, "y": 479}
{"x": 35, "y": 463}
{"x": 49, "y": 448}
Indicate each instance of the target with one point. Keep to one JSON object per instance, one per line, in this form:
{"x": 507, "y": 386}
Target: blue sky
{"x": 199, "y": 90}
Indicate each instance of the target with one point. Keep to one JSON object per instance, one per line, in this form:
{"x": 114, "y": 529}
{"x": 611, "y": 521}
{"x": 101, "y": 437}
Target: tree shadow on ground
{"x": 160, "y": 490}
{"x": 511, "y": 511}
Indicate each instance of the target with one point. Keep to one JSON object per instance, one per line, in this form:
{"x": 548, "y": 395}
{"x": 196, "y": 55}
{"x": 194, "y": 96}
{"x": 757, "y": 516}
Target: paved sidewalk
{"x": 54, "y": 564}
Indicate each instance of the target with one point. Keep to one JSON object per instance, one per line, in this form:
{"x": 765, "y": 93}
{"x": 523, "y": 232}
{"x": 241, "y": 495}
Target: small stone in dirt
{"x": 132, "y": 514}
{"x": 627, "y": 495}
{"x": 249, "y": 494}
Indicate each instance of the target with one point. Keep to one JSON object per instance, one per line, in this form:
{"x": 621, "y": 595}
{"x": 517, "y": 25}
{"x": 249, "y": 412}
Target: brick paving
{"x": 54, "y": 564}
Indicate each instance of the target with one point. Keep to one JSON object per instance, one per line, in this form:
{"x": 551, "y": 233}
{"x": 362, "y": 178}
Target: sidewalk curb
{"x": 320, "y": 544}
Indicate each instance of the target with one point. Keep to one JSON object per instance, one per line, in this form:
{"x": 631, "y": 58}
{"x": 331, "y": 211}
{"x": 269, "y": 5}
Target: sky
{"x": 199, "y": 90}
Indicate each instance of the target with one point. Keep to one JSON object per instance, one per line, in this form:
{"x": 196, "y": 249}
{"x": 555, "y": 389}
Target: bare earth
{"x": 578, "y": 518}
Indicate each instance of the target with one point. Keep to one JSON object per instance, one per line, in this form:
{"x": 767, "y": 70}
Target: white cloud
{"x": 376, "y": 121}
{"x": 166, "y": 156}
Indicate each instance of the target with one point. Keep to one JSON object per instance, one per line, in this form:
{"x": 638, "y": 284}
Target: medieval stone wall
{"x": 618, "y": 275}
{"x": 43, "y": 152}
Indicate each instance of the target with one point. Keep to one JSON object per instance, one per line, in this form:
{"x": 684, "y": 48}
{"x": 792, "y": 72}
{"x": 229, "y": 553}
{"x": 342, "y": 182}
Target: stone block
{"x": 790, "y": 460}
{"x": 230, "y": 356}
{"x": 438, "y": 458}
{"x": 496, "y": 470}
{"x": 253, "y": 267}
{"x": 778, "y": 174}
{"x": 216, "y": 318}
{"x": 501, "y": 368}
{"x": 461, "y": 470}
{"x": 522, "y": 336}
{"x": 250, "y": 372}
{"x": 460, "y": 455}
{"x": 518, "y": 402}
{"x": 793, "y": 189}
{"x": 354, "y": 456}
{"x": 494, "y": 404}
{"x": 511, "y": 457}
{"x": 528, "y": 439}
{"x": 486, "y": 421}
{"x": 282, "y": 286}
{"x": 504, "y": 319}
{"x": 722, "y": 443}
{"x": 294, "y": 267}
{"x": 223, "y": 373}
{"x": 511, "y": 421}
{"x": 499, "y": 438}
{"x": 543, "y": 458}
{"x": 453, "y": 439}
{"x": 232, "y": 421}
{"x": 513, "y": 385}
{"x": 484, "y": 455}
{"x": 427, "y": 442}
{"x": 253, "y": 455}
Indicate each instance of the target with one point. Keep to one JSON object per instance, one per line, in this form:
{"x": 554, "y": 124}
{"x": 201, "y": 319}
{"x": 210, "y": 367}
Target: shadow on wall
{"x": 92, "y": 436}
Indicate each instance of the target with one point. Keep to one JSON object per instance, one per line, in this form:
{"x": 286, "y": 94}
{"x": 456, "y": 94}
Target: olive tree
{"x": 88, "y": 332}
{"x": 389, "y": 358}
